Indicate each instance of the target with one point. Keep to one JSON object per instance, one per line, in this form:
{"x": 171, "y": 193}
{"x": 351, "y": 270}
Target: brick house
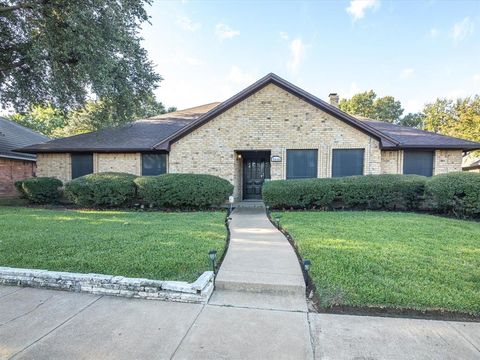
{"x": 15, "y": 165}
{"x": 270, "y": 130}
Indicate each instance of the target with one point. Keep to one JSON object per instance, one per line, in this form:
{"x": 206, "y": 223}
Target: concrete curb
{"x": 98, "y": 284}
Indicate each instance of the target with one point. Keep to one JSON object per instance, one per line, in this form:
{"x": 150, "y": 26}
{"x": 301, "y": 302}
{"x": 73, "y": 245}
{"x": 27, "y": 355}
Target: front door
{"x": 256, "y": 168}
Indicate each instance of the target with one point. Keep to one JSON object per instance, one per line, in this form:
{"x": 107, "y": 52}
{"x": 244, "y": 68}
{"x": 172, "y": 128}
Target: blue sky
{"x": 416, "y": 51}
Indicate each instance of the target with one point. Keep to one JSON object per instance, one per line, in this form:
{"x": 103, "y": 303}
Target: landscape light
{"x": 212, "y": 254}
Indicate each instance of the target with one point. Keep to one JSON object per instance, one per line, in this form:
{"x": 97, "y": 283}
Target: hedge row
{"x": 453, "y": 193}
{"x": 106, "y": 190}
{"x": 41, "y": 190}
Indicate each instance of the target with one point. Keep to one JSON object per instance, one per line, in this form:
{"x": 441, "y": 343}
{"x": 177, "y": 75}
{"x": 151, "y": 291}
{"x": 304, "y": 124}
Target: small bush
{"x": 381, "y": 192}
{"x": 455, "y": 193}
{"x": 375, "y": 192}
{"x": 40, "y": 190}
{"x": 107, "y": 189}
{"x": 299, "y": 194}
{"x": 188, "y": 191}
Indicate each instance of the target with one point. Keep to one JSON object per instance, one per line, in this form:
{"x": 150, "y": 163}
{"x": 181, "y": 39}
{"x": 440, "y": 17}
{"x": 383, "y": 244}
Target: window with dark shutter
{"x": 418, "y": 162}
{"x": 347, "y": 162}
{"x": 154, "y": 164}
{"x": 82, "y": 164}
{"x": 302, "y": 164}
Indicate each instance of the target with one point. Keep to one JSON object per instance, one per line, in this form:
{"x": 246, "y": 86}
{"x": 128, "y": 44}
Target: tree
{"x": 360, "y": 104}
{"x": 63, "y": 53}
{"x": 95, "y": 115}
{"x": 367, "y": 104}
{"x": 44, "y": 119}
{"x": 460, "y": 118}
{"x": 439, "y": 115}
{"x": 388, "y": 109}
{"x": 415, "y": 120}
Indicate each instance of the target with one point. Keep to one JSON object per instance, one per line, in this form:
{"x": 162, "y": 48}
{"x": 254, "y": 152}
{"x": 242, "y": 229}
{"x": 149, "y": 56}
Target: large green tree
{"x": 64, "y": 53}
{"x": 93, "y": 116}
{"x": 460, "y": 118}
{"x": 367, "y": 104}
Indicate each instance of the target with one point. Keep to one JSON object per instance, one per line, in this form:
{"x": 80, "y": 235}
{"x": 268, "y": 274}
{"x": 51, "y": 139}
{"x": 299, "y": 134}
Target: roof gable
{"x": 292, "y": 89}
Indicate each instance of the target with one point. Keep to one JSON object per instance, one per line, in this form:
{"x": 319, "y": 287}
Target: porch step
{"x": 249, "y": 204}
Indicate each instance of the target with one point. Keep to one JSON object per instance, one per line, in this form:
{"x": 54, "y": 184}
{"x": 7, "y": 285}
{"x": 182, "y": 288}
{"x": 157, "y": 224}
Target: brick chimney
{"x": 334, "y": 99}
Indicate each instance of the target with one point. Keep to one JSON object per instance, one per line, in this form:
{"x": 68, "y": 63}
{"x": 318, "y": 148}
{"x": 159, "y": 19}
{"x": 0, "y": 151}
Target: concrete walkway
{"x": 261, "y": 269}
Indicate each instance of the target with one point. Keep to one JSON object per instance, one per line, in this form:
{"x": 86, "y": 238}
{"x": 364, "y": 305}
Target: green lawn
{"x": 166, "y": 246}
{"x": 401, "y": 260}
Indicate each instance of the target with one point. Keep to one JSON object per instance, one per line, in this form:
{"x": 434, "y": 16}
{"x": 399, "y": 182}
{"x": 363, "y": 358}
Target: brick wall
{"x": 271, "y": 119}
{"x": 54, "y": 165}
{"x": 447, "y": 161}
{"x": 59, "y": 165}
{"x": 117, "y": 162}
{"x": 12, "y": 170}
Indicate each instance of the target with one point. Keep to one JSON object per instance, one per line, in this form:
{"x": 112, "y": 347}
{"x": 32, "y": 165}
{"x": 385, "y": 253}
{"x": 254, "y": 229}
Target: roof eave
{"x": 433, "y": 147}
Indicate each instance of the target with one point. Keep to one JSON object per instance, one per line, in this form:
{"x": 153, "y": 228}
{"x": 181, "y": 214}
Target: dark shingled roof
{"x": 408, "y": 137}
{"x": 160, "y": 132}
{"x": 14, "y": 136}
{"x": 141, "y": 135}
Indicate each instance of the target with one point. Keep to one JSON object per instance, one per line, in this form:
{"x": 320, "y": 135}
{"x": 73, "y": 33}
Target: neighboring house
{"x": 472, "y": 166}
{"x": 270, "y": 130}
{"x": 14, "y": 165}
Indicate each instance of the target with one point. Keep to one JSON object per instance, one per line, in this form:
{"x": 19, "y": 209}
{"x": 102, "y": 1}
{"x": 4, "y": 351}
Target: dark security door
{"x": 256, "y": 168}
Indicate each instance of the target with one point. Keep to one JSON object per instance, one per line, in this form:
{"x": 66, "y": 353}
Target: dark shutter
{"x": 82, "y": 164}
{"x": 347, "y": 162}
{"x": 301, "y": 164}
{"x": 154, "y": 164}
{"x": 418, "y": 162}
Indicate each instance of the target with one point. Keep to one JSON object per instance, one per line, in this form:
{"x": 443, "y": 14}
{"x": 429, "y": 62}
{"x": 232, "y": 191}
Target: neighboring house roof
{"x": 141, "y": 135}
{"x": 160, "y": 132}
{"x": 14, "y": 136}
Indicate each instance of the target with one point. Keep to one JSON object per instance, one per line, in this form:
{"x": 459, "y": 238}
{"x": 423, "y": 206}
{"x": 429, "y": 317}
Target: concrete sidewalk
{"x": 49, "y": 324}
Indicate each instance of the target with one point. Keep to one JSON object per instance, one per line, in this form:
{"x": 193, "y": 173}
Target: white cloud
{"x": 185, "y": 23}
{"x": 224, "y": 31}
{"x": 241, "y": 77}
{"x": 462, "y": 29}
{"x": 407, "y": 73}
{"x": 476, "y": 77}
{"x": 297, "y": 51}
{"x": 357, "y": 8}
{"x": 284, "y": 35}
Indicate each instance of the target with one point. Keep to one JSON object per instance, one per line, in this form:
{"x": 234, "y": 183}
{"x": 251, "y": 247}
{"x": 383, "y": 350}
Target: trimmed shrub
{"x": 187, "y": 191}
{"x": 455, "y": 193}
{"x": 299, "y": 194}
{"x": 40, "y": 190}
{"x": 381, "y": 192}
{"x": 375, "y": 192}
{"x": 107, "y": 189}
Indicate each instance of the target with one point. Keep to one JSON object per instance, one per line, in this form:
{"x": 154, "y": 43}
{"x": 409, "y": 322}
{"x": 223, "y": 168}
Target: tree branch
{"x": 18, "y": 6}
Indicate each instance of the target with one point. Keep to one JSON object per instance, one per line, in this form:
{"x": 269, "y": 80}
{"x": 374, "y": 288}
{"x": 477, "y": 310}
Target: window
{"x": 347, "y": 162}
{"x": 418, "y": 162}
{"x": 82, "y": 164}
{"x": 301, "y": 164}
{"x": 154, "y": 164}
